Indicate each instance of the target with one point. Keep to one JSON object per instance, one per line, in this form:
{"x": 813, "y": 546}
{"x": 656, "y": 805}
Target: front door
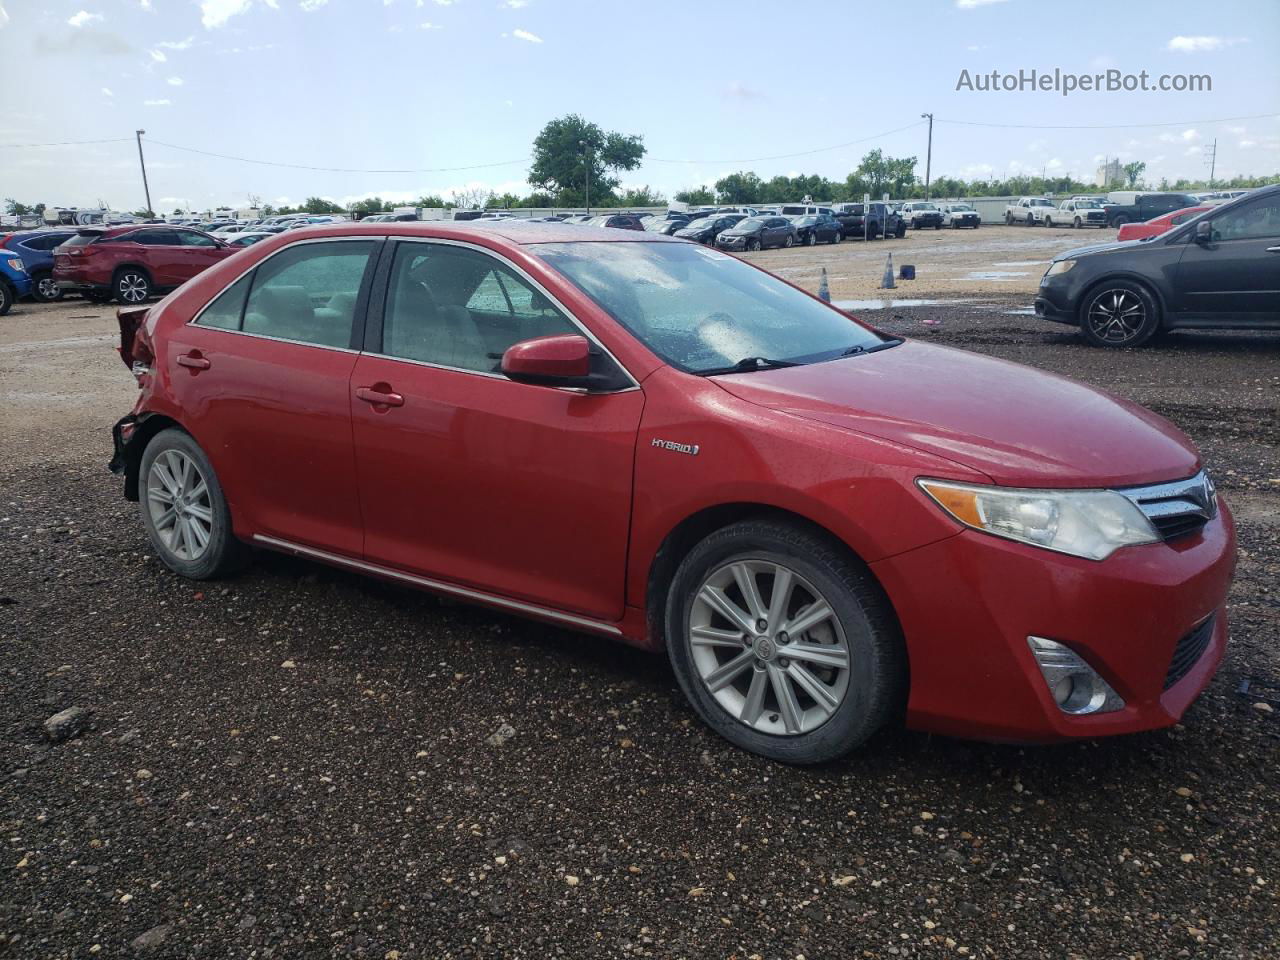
{"x": 1235, "y": 275}
{"x": 470, "y": 478}
{"x": 265, "y": 373}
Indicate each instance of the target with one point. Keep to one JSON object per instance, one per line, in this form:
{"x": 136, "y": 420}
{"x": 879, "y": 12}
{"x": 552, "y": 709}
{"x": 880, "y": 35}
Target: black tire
{"x": 1031, "y": 221}
{"x": 44, "y": 289}
{"x": 1106, "y": 318}
{"x": 1048, "y": 221}
{"x": 7, "y": 297}
{"x": 131, "y": 286}
{"x": 876, "y": 676}
{"x": 1119, "y": 220}
{"x": 1008, "y": 219}
{"x": 789, "y": 242}
{"x": 221, "y": 553}
{"x": 812, "y": 239}
{"x": 901, "y": 231}
{"x": 938, "y": 225}
{"x": 838, "y": 237}
{"x": 753, "y": 244}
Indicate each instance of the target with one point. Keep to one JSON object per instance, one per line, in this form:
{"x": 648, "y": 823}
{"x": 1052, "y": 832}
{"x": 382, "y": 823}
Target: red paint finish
{"x": 93, "y": 265}
{"x": 1158, "y": 225}
{"x": 556, "y": 357}
{"x": 558, "y": 502}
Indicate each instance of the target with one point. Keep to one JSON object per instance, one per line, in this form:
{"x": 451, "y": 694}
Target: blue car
{"x": 14, "y": 282}
{"x": 35, "y": 249}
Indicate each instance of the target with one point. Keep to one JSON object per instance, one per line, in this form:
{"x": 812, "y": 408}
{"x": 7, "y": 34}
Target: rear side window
{"x": 82, "y": 239}
{"x": 155, "y": 238}
{"x": 306, "y": 293}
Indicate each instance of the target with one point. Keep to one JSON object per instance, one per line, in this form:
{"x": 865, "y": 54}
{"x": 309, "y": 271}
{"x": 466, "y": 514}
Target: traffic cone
{"x": 824, "y": 292}
{"x": 886, "y": 282}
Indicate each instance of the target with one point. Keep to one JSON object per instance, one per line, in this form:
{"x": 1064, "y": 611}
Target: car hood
{"x": 1019, "y": 426}
{"x": 1096, "y": 248}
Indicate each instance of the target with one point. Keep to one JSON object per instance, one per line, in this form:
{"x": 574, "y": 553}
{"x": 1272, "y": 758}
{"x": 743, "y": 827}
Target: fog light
{"x": 1074, "y": 685}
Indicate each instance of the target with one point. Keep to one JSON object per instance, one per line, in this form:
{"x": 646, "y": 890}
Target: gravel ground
{"x": 298, "y": 762}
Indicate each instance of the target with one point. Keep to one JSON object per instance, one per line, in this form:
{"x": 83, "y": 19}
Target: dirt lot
{"x": 297, "y": 762}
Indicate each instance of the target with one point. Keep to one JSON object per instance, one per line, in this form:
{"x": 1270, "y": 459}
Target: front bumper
{"x": 968, "y": 603}
{"x": 1056, "y": 299}
{"x": 21, "y": 284}
{"x": 927, "y": 220}
{"x": 731, "y": 243}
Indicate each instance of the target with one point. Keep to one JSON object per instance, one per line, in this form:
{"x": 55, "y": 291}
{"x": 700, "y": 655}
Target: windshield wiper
{"x": 858, "y": 348}
{"x": 748, "y": 364}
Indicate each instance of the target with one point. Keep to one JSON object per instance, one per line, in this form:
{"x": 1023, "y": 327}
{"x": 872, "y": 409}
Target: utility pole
{"x": 928, "y": 157}
{"x": 587, "y": 147}
{"x": 1211, "y": 152}
{"x": 143, "y": 162}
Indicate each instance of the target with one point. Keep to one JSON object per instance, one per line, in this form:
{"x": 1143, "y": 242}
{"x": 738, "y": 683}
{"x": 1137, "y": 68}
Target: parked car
{"x": 617, "y": 221}
{"x": 958, "y": 215}
{"x": 1218, "y": 270}
{"x": 666, "y": 227}
{"x": 884, "y": 221}
{"x": 1028, "y": 210}
{"x": 1079, "y": 212}
{"x": 14, "y": 282}
{"x": 824, "y": 527}
{"x": 1128, "y": 206}
{"x": 817, "y": 228}
{"x": 801, "y": 209}
{"x": 132, "y": 263}
{"x": 35, "y": 249}
{"x": 1158, "y": 225}
{"x": 918, "y": 214}
{"x": 758, "y": 233}
{"x": 706, "y": 229}
{"x": 247, "y": 238}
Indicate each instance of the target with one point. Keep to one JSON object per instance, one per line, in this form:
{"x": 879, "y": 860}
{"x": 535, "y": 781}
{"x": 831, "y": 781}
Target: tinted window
{"x": 227, "y": 310}
{"x": 82, "y": 239}
{"x": 154, "y": 238}
{"x": 1253, "y": 221}
{"x": 460, "y": 308}
{"x": 308, "y": 292}
{"x": 189, "y": 238}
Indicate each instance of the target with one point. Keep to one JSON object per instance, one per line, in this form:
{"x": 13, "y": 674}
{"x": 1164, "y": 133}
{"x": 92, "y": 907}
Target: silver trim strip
{"x": 440, "y": 586}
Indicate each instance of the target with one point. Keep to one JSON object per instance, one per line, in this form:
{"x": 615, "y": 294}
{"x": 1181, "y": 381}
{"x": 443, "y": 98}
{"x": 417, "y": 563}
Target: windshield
{"x": 923, "y": 206}
{"x": 747, "y": 225}
{"x": 960, "y": 206}
{"x": 1088, "y": 205}
{"x": 701, "y": 310}
{"x": 1042, "y": 203}
{"x": 698, "y": 224}
{"x": 804, "y": 221}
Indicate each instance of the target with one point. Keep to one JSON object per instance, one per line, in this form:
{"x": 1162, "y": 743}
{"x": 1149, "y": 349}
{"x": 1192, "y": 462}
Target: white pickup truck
{"x": 1029, "y": 210}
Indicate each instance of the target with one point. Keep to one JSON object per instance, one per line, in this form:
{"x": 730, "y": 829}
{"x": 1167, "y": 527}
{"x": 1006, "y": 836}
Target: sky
{"x": 456, "y": 90}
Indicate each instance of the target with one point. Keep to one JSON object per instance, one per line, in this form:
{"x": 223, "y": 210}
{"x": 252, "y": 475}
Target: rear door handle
{"x": 380, "y": 395}
{"x": 193, "y": 360}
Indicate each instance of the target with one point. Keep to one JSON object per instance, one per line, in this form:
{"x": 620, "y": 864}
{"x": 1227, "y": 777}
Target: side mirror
{"x": 563, "y": 360}
{"x": 1204, "y": 232}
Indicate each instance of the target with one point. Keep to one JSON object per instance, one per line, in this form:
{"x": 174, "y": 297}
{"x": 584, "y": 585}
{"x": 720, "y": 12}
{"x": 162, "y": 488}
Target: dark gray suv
{"x": 757, "y": 233}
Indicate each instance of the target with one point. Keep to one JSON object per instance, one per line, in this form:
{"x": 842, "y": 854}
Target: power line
{"x": 802, "y": 153}
{"x": 1102, "y": 126}
{"x": 61, "y": 143}
{"x": 300, "y": 166}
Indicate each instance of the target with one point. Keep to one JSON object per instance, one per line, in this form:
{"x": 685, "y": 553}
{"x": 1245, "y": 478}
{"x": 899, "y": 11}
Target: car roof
{"x": 516, "y": 232}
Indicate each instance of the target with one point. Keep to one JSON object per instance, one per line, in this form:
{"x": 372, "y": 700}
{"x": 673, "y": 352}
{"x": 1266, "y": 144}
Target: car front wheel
{"x": 789, "y": 242}
{"x": 811, "y": 240}
{"x": 184, "y": 510}
{"x": 782, "y": 643}
{"x": 6, "y": 298}
{"x": 1119, "y": 313}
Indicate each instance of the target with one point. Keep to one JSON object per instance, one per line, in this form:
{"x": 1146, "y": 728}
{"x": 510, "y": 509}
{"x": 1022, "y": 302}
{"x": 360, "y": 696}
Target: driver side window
{"x": 1259, "y": 220}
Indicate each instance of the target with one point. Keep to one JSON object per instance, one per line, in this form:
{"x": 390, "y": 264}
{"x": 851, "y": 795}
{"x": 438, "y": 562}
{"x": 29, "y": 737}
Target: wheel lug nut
{"x": 762, "y": 625}
{"x": 783, "y": 637}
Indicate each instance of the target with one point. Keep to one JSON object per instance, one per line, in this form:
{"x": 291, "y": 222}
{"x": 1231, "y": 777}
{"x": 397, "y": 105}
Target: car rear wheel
{"x": 45, "y": 289}
{"x": 1120, "y": 220}
{"x": 131, "y": 286}
{"x": 783, "y": 645}
{"x": 6, "y": 298}
{"x": 837, "y": 237}
{"x": 184, "y": 510}
{"x": 1119, "y": 313}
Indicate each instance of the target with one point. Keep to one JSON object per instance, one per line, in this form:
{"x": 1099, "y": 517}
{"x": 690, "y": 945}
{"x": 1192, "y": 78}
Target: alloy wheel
{"x": 1117, "y": 316}
{"x": 132, "y": 287}
{"x": 47, "y": 288}
{"x": 769, "y": 647}
{"x": 812, "y": 239}
{"x": 180, "y": 505}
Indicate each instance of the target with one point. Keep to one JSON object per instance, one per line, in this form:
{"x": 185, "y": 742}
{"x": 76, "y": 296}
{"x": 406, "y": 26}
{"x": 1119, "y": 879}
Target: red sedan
{"x": 131, "y": 263}
{"x": 1158, "y": 225}
{"x": 824, "y": 527}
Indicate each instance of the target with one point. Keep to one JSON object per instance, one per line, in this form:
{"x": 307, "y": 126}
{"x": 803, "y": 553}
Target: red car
{"x": 1158, "y": 225}
{"x": 824, "y": 527}
{"x": 131, "y": 263}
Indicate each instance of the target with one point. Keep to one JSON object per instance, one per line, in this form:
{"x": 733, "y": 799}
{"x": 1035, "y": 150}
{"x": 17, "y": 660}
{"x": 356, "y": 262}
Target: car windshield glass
{"x": 960, "y": 206}
{"x": 746, "y": 226}
{"x": 703, "y": 311}
{"x": 1087, "y": 204}
{"x": 925, "y": 206}
{"x": 805, "y": 221}
{"x": 698, "y": 224}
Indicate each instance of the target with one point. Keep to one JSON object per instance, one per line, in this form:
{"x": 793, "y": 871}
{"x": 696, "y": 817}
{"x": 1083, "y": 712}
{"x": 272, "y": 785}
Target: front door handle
{"x": 193, "y": 360}
{"x": 380, "y": 395}
{"x": 1273, "y": 249}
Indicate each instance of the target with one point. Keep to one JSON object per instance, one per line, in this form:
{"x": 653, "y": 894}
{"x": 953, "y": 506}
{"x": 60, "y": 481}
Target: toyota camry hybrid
{"x": 827, "y": 529}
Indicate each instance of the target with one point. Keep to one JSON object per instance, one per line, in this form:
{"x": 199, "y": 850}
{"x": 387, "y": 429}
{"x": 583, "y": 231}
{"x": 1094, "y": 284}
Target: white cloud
{"x": 174, "y": 81}
{"x": 428, "y": 25}
{"x": 515, "y": 4}
{"x": 4, "y": 17}
{"x": 1246, "y": 144}
{"x": 973, "y": 4}
{"x": 526, "y": 35}
{"x": 158, "y": 57}
{"x": 445, "y": 3}
{"x": 177, "y": 44}
{"x": 145, "y": 4}
{"x": 107, "y": 91}
{"x": 214, "y": 13}
{"x": 156, "y": 103}
{"x": 310, "y": 6}
{"x": 83, "y": 17}
{"x": 1200, "y": 43}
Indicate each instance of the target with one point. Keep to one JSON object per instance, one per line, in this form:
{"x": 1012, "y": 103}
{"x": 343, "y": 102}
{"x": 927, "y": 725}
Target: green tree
{"x": 1133, "y": 171}
{"x": 641, "y": 197}
{"x": 12, "y": 206}
{"x": 320, "y": 205}
{"x": 698, "y": 196}
{"x": 371, "y": 205}
{"x": 570, "y": 149}
{"x": 741, "y": 187}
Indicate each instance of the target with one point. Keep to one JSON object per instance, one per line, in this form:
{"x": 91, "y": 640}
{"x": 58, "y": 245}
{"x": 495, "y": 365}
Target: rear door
{"x": 469, "y": 478}
{"x": 1235, "y": 276}
{"x": 265, "y": 371}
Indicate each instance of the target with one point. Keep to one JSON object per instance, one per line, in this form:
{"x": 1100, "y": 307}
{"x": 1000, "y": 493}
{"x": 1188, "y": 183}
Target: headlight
{"x": 1084, "y": 523}
{"x": 1059, "y": 266}
{"x": 16, "y": 264}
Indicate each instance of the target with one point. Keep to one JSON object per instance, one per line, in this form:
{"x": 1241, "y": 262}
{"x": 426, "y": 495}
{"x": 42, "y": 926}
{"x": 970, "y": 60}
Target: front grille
{"x": 1188, "y": 652}
{"x": 1177, "y": 509}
